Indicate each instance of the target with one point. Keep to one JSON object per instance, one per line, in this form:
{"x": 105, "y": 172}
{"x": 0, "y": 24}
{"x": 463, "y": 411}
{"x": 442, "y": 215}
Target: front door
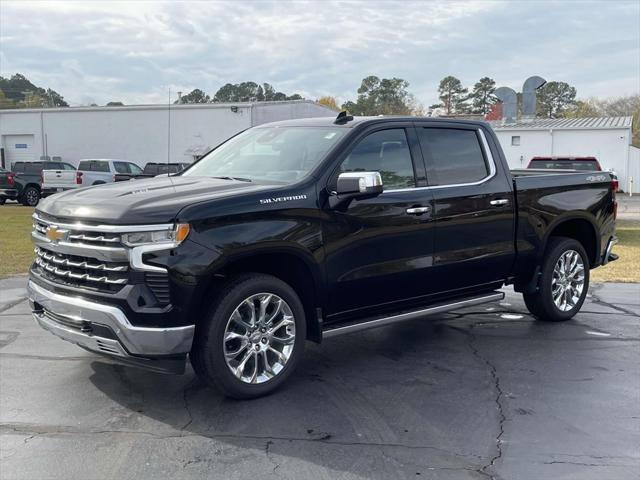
{"x": 379, "y": 250}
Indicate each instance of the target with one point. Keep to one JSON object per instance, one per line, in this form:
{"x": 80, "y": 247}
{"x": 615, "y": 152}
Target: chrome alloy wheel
{"x": 259, "y": 338}
{"x": 567, "y": 282}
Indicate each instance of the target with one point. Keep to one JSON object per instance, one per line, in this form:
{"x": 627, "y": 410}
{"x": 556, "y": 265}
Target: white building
{"x": 141, "y": 134}
{"x": 608, "y": 139}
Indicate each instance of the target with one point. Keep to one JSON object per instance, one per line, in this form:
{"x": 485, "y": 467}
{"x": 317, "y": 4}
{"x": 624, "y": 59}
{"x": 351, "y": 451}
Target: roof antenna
{"x": 342, "y": 118}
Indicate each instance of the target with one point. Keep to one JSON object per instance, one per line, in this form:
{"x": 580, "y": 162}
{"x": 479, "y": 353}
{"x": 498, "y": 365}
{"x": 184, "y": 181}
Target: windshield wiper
{"x": 240, "y": 179}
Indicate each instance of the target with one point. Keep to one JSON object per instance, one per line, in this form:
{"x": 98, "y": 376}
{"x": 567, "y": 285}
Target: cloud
{"x": 137, "y": 51}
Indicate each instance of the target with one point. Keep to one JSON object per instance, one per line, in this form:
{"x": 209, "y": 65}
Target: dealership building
{"x": 182, "y": 133}
{"x": 141, "y": 134}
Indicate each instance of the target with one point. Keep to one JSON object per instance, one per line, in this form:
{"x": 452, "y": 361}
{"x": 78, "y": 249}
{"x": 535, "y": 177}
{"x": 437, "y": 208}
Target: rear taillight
{"x": 114, "y": 178}
{"x": 79, "y": 178}
{"x": 10, "y": 181}
{"x": 41, "y": 177}
{"x": 614, "y": 185}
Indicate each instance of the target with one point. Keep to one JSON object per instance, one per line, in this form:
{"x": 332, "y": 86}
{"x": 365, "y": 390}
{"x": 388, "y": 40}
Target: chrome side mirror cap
{"x": 359, "y": 183}
{"x": 355, "y": 185}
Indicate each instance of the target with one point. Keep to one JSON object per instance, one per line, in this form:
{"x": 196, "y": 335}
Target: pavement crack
{"x": 187, "y": 407}
{"x": 599, "y": 301}
{"x": 267, "y": 447}
{"x": 499, "y": 395}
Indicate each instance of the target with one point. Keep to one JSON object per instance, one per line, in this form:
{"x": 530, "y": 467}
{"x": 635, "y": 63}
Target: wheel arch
{"x": 580, "y": 228}
{"x": 297, "y": 269}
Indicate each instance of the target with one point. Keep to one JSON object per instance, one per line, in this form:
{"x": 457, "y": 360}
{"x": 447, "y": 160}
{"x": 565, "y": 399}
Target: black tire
{"x": 30, "y": 196}
{"x": 541, "y": 303}
{"x": 99, "y": 182}
{"x": 207, "y": 354}
{"x": 2, "y": 201}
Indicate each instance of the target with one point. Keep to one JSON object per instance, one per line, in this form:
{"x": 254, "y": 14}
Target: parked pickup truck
{"x": 103, "y": 170}
{"x": 59, "y": 180}
{"x": 153, "y": 169}
{"x": 8, "y": 189}
{"x": 26, "y": 179}
{"x": 305, "y": 230}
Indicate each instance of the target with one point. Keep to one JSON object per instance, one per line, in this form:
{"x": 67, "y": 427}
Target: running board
{"x": 376, "y": 322}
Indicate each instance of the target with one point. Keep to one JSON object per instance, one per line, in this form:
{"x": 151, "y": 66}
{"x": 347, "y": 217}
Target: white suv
{"x": 104, "y": 170}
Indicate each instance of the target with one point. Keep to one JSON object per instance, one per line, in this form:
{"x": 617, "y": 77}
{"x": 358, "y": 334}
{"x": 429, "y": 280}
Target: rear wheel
{"x": 253, "y": 337}
{"x": 30, "y": 196}
{"x": 563, "y": 282}
{"x": 2, "y": 200}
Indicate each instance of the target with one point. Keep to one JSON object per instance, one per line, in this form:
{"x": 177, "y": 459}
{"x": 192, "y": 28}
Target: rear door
{"x": 379, "y": 250}
{"x": 474, "y": 207}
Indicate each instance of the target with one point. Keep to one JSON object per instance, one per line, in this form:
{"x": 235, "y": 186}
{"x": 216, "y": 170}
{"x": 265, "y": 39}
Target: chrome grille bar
{"x": 58, "y": 260}
{"x": 77, "y": 276}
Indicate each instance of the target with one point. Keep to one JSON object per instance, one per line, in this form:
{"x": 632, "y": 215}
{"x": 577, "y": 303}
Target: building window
{"x": 515, "y": 141}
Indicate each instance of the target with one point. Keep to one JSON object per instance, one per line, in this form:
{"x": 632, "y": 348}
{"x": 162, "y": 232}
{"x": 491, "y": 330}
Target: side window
{"x": 18, "y": 167}
{"x": 121, "y": 167}
{"x": 34, "y": 167}
{"x": 86, "y": 166}
{"x": 453, "y": 156}
{"x": 67, "y": 166}
{"x": 100, "y": 166}
{"x": 135, "y": 169}
{"x": 387, "y": 152}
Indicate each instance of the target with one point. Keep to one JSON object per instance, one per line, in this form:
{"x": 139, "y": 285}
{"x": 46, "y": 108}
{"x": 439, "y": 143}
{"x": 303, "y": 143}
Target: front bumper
{"x": 105, "y": 329}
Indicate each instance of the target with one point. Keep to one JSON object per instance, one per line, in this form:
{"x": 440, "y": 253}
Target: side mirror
{"x": 354, "y": 185}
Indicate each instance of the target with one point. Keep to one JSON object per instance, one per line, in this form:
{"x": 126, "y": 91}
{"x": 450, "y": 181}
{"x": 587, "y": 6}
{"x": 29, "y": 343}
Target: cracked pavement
{"x": 480, "y": 393}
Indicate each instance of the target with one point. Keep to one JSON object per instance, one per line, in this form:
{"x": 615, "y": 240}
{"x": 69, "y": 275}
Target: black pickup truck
{"x": 307, "y": 229}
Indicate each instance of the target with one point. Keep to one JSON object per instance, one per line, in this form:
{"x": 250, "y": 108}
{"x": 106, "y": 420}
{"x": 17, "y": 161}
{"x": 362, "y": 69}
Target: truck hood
{"x": 153, "y": 200}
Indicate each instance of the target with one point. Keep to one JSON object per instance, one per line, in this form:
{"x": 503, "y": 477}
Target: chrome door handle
{"x": 497, "y": 203}
{"x": 418, "y": 210}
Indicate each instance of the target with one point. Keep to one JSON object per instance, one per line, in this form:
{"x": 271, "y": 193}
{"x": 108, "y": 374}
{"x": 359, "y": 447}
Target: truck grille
{"x": 104, "y": 239}
{"x": 81, "y": 271}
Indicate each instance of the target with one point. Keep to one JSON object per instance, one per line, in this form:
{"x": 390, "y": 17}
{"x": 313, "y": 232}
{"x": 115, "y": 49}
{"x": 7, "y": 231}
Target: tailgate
{"x": 58, "y": 178}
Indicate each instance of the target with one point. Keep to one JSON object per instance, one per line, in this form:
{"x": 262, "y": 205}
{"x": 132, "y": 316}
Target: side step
{"x": 375, "y": 322}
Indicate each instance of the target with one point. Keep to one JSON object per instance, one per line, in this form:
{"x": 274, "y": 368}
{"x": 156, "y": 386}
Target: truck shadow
{"x": 390, "y": 402}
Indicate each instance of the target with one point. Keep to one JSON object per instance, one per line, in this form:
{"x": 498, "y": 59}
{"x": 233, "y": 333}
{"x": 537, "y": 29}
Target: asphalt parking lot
{"x": 480, "y": 393}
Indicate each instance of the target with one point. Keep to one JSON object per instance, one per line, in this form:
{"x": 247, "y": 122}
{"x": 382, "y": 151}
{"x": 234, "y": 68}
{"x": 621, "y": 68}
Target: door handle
{"x": 497, "y": 203}
{"x": 418, "y": 210}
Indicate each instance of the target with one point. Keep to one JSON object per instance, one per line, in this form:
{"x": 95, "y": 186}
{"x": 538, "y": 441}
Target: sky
{"x": 144, "y": 52}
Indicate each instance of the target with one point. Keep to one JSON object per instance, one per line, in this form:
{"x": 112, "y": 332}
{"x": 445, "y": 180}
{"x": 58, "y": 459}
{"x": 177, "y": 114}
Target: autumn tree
{"x": 329, "y": 102}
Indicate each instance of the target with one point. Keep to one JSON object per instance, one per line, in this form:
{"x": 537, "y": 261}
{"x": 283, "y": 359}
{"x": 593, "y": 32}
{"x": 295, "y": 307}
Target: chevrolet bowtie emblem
{"x": 56, "y": 235}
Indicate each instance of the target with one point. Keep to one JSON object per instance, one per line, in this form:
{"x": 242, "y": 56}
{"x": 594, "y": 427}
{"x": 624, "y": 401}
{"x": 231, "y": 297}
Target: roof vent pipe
{"x": 509, "y": 101}
{"x": 529, "y": 88}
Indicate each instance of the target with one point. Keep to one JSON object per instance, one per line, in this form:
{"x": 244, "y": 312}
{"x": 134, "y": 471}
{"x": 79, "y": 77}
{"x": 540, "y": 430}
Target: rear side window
{"x": 453, "y": 156}
{"x": 387, "y": 152}
{"x": 100, "y": 166}
{"x": 18, "y": 167}
{"x": 33, "y": 167}
{"x": 67, "y": 166}
{"x": 84, "y": 166}
{"x": 135, "y": 169}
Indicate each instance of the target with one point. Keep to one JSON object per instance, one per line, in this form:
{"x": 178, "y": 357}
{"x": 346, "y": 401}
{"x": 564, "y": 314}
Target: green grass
{"x": 627, "y": 267}
{"x": 16, "y": 250}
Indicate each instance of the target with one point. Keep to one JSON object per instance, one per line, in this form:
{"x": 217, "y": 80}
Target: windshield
{"x": 281, "y": 154}
{"x": 565, "y": 164}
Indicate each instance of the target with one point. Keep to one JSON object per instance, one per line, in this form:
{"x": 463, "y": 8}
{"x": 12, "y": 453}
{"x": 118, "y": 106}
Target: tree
{"x": 452, "y": 95}
{"x": 387, "y": 96}
{"x": 250, "y": 92}
{"x": 554, "y": 99}
{"x": 6, "y": 102}
{"x": 24, "y": 94}
{"x": 583, "y": 109}
{"x": 482, "y": 96}
{"x": 329, "y": 102}
{"x": 195, "y": 96}
{"x": 114, "y": 104}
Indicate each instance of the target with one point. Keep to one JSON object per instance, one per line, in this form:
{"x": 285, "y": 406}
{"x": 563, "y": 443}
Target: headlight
{"x": 173, "y": 236}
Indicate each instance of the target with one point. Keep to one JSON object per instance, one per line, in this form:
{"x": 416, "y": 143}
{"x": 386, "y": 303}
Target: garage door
{"x": 18, "y": 148}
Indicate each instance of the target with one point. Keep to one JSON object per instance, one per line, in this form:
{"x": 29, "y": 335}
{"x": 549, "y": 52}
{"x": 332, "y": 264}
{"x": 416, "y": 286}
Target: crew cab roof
{"x": 361, "y": 121}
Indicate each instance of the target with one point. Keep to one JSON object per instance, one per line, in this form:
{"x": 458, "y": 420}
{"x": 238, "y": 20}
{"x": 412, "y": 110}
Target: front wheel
{"x": 563, "y": 283}
{"x": 253, "y": 337}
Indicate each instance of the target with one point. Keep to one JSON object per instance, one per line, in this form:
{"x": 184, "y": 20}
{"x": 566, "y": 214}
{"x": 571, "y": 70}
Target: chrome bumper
{"x": 72, "y": 318}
